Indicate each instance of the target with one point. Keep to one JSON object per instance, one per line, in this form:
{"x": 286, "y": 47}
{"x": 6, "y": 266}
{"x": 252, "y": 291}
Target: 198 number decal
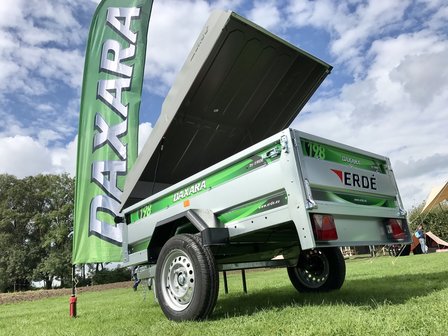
{"x": 315, "y": 150}
{"x": 146, "y": 211}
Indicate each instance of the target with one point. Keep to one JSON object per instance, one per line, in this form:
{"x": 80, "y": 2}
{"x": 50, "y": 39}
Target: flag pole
{"x": 73, "y": 298}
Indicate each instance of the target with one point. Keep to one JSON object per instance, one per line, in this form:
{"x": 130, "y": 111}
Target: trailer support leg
{"x": 243, "y": 275}
{"x": 226, "y": 288}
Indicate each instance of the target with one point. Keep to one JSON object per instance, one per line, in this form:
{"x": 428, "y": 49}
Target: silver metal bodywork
{"x": 289, "y": 174}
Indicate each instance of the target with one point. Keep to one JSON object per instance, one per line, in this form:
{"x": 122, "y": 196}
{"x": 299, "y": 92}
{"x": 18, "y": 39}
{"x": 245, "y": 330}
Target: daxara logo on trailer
{"x": 189, "y": 191}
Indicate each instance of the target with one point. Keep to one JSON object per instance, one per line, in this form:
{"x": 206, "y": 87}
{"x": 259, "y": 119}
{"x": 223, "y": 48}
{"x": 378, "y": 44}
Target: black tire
{"x": 405, "y": 250}
{"x": 214, "y": 274}
{"x": 394, "y": 250}
{"x": 187, "y": 282}
{"x": 318, "y": 270}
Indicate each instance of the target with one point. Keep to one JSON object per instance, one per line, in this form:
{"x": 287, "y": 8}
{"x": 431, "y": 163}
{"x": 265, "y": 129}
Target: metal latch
{"x": 284, "y": 143}
{"x": 274, "y": 152}
{"x": 310, "y": 203}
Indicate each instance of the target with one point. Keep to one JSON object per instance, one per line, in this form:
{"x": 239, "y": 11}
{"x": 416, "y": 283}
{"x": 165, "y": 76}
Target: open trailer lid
{"x": 239, "y": 85}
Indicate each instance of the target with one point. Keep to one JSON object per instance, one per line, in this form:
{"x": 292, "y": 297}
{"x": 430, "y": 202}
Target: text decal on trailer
{"x": 189, "y": 191}
{"x": 342, "y": 156}
{"x": 356, "y": 180}
{"x": 261, "y": 159}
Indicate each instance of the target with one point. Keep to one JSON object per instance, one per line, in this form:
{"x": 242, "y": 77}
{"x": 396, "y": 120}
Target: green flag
{"x": 108, "y": 125}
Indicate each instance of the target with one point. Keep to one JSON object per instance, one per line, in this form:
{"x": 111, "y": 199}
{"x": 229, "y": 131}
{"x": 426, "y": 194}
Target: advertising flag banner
{"x": 108, "y": 125}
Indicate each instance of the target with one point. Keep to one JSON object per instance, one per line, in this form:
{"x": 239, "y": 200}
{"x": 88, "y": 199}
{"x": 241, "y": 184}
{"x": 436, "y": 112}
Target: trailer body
{"x": 223, "y": 184}
{"x": 261, "y": 203}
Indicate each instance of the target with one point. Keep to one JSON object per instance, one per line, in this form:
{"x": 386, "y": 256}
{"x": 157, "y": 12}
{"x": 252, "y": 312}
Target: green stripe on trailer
{"x": 139, "y": 246}
{"x": 358, "y": 199}
{"x": 253, "y": 208}
{"x": 261, "y": 159}
{"x": 326, "y": 152}
{"x": 238, "y": 213}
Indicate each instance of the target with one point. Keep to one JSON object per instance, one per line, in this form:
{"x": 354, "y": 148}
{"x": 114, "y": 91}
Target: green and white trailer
{"x": 223, "y": 184}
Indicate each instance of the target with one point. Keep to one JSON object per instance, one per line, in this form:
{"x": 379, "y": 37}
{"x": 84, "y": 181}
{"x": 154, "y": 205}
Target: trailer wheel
{"x": 187, "y": 280}
{"x": 405, "y": 250}
{"x": 399, "y": 250}
{"x": 318, "y": 270}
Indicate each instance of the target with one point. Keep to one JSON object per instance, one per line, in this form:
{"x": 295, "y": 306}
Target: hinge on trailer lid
{"x": 310, "y": 203}
{"x": 274, "y": 152}
{"x": 402, "y": 212}
{"x": 284, "y": 143}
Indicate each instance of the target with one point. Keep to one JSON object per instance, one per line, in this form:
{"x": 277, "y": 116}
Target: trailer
{"x": 223, "y": 183}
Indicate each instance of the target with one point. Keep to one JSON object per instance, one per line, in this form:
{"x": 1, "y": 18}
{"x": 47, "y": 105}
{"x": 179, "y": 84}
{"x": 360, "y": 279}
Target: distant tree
{"x": 105, "y": 276}
{"x": 435, "y": 220}
{"x": 54, "y": 222}
{"x": 36, "y": 217}
{"x": 17, "y": 259}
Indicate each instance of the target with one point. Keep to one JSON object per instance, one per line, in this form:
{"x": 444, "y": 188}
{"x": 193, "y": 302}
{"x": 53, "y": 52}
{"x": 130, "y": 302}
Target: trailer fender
{"x": 203, "y": 221}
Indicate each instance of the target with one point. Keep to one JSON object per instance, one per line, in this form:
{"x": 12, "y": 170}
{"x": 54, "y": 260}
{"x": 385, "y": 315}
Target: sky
{"x": 387, "y": 93}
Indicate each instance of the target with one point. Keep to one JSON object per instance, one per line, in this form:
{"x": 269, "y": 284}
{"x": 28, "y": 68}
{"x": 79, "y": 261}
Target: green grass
{"x": 383, "y": 296}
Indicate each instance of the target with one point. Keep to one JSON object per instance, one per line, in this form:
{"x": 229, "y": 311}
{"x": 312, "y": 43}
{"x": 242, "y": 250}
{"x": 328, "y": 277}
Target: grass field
{"x": 381, "y": 296}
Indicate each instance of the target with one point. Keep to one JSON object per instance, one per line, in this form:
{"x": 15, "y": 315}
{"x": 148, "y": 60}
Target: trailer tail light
{"x": 324, "y": 227}
{"x": 394, "y": 229}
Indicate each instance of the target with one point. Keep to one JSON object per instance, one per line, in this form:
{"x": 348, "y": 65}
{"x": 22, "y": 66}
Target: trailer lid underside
{"x": 250, "y": 86}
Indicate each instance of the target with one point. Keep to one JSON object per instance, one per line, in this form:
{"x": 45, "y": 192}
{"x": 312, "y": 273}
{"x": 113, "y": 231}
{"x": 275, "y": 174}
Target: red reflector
{"x": 324, "y": 227}
{"x": 394, "y": 229}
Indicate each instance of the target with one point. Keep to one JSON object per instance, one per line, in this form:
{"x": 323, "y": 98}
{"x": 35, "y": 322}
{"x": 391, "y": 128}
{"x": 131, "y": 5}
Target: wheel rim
{"x": 313, "y": 269}
{"x": 178, "y": 280}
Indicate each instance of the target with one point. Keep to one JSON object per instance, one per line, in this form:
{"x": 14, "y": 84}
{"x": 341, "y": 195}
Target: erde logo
{"x": 356, "y": 180}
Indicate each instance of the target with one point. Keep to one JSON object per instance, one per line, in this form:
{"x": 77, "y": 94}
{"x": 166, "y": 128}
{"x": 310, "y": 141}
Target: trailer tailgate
{"x": 356, "y": 187}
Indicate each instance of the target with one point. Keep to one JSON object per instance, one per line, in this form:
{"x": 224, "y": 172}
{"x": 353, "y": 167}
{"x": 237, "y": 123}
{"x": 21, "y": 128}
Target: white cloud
{"x": 45, "y": 136}
{"x": 27, "y": 28}
{"x": 23, "y": 156}
{"x": 144, "y": 131}
{"x": 173, "y": 29}
{"x": 266, "y": 14}
{"x": 63, "y": 159}
{"x": 351, "y": 25}
{"x": 398, "y": 110}
{"x": 421, "y": 76}
{"x": 435, "y": 165}
{"x": 11, "y": 15}
{"x": 322, "y": 14}
{"x": 227, "y": 4}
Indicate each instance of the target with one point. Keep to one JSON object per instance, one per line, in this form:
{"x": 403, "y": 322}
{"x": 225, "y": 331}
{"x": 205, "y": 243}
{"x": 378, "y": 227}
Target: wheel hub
{"x": 313, "y": 269}
{"x": 181, "y": 279}
{"x": 178, "y": 280}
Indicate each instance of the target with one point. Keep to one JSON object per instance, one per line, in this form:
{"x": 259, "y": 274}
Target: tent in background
{"x": 437, "y": 195}
{"x": 434, "y": 241}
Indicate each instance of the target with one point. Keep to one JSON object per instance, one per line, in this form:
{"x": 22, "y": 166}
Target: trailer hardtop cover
{"x": 239, "y": 85}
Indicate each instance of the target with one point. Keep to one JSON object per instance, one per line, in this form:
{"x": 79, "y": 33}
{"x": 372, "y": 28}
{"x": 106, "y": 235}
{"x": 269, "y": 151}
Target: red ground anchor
{"x": 73, "y": 306}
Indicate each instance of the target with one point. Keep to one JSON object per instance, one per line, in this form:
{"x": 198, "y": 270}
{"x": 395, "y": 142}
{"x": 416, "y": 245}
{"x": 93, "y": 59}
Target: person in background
{"x": 420, "y": 234}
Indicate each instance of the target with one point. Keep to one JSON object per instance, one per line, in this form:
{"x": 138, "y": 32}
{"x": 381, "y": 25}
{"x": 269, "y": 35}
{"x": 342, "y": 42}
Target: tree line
{"x": 36, "y": 220}
{"x": 36, "y": 232}
{"x": 435, "y": 221}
